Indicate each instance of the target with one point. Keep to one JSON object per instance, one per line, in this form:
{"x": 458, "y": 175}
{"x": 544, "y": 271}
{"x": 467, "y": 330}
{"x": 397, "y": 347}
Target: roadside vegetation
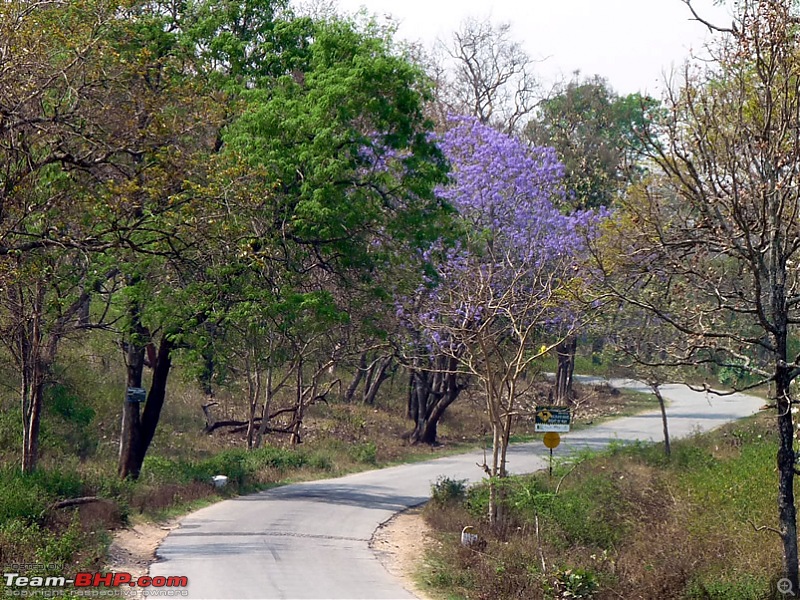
{"x": 79, "y": 449}
{"x": 274, "y": 243}
{"x": 625, "y": 523}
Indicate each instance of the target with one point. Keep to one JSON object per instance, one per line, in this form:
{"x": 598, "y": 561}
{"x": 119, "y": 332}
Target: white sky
{"x": 632, "y": 43}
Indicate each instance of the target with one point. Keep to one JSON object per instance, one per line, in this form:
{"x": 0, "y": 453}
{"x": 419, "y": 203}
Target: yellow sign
{"x": 552, "y": 439}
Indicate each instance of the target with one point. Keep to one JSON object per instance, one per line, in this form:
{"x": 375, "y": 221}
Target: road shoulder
{"x": 400, "y": 545}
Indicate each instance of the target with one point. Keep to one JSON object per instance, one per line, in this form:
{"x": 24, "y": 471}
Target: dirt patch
{"x": 134, "y": 549}
{"x": 400, "y": 543}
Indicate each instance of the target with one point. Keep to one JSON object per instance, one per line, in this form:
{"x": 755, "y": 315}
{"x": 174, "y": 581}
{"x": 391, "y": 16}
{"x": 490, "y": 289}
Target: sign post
{"x": 551, "y": 440}
{"x": 552, "y": 420}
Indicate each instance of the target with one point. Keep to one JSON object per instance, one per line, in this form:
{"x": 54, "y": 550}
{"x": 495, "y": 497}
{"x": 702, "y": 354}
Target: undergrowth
{"x": 625, "y": 523}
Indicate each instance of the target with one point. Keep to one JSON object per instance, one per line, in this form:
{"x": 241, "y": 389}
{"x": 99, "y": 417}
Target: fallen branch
{"x": 78, "y": 502}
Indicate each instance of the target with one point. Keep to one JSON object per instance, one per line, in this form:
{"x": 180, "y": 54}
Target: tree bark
{"x": 377, "y": 375}
{"x": 35, "y": 356}
{"x": 359, "y": 375}
{"x": 662, "y": 405}
{"x": 787, "y": 515}
{"x": 32, "y": 401}
{"x": 156, "y": 396}
{"x": 130, "y": 435}
{"x": 430, "y": 393}
{"x": 138, "y": 431}
{"x": 565, "y": 352}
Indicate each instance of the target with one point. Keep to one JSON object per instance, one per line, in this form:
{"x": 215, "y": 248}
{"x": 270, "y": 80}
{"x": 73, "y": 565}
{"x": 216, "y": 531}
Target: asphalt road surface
{"x": 311, "y": 540}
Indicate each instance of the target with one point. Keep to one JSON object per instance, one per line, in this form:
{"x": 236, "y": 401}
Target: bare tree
{"x": 710, "y": 245}
{"x": 488, "y": 75}
{"x": 492, "y": 325}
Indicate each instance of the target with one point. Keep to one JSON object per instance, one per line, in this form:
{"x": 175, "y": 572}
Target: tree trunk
{"x": 298, "y": 414}
{"x": 156, "y": 396}
{"x": 137, "y": 437}
{"x": 129, "y": 440}
{"x": 32, "y": 401}
{"x": 565, "y": 352}
{"x": 378, "y": 374}
{"x": 253, "y": 396}
{"x": 33, "y": 366}
{"x": 786, "y": 464}
{"x": 430, "y": 393}
{"x": 359, "y": 375}
{"x": 662, "y": 405}
{"x": 268, "y": 393}
{"x": 494, "y": 475}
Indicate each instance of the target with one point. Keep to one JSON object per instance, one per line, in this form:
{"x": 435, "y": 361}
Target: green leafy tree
{"x": 323, "y": 171}
{"x": 87, "y": 119}
{"x": 597, "y": 136}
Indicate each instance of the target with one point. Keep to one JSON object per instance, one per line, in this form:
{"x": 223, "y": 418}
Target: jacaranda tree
{"x": 500, "y": 300}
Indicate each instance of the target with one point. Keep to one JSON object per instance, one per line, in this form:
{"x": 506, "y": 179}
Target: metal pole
{"x": 551, "y": 463}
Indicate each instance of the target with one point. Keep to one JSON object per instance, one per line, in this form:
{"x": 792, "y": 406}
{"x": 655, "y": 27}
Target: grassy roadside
{"x": 626, "y": 523}
{"x": 340, "y": 439}
{"x": 175, "y": 480}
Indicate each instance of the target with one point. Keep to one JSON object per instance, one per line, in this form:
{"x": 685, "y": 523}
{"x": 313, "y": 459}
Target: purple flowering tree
{"x": 504, "y": 298}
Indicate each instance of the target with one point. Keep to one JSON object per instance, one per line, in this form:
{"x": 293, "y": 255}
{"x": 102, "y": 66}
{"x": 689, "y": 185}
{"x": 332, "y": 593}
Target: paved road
{"x": 311, "y": 540}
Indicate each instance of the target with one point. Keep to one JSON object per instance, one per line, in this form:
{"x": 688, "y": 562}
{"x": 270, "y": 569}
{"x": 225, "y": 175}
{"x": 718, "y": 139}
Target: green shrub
{"x": 239, "y": 465}
{"x": 448, "y": 491}
{"x": 575, "y": 583}
{"x": 366, "y": 453}
{"x": 61, "y": 548}
{"x": 320, "y": 461}
{"x": 26, "y": 495}
{"x": 61, "y": 401}
{"x": 741, "y": 588}
{"x": 10, "y": 432}
{"x": 276, "y": 458}
{"x": 67, "y": 429}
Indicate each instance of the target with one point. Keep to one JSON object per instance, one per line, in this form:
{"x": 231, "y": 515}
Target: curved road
{"x": 311, "y": 540}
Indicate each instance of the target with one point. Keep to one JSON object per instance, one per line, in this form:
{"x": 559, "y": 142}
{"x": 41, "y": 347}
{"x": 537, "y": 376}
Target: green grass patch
{"x": 627, "y": 522}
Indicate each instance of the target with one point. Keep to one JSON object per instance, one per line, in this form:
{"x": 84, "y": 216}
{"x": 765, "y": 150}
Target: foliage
{"x": 597, "y": 135}
{"x": 445, "y": 490}
{"x": 493, "y": 301}
{"x": 575, "y": 583}
{"x": 25, "y": 496}
{"x": 627, "y": 522}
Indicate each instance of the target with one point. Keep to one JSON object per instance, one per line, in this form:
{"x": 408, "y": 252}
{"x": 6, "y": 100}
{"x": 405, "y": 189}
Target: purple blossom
{"x": 518, "y": 244}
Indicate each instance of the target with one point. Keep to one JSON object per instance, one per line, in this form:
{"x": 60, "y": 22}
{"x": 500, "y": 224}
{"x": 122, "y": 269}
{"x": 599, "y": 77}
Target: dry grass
{"x": 637, "y": 525}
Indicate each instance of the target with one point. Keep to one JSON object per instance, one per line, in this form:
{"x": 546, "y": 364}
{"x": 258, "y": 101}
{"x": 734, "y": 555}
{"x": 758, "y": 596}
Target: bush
{"x": 575, "y": 583}
{"x": 448, "y": 491}
{"x": 745, "y": 588}
{"x": 276, "y": 458}
{"x": 241, "y": 466}
{"x": 25, "y": 496}
{"x": 67, "y": 430}
{"x": 366, "y": 453}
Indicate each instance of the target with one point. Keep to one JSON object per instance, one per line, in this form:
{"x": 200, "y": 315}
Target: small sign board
{"x": 551, "y": 440}
{"x": 135, "y": 395}
{"x": 552, "y": 418}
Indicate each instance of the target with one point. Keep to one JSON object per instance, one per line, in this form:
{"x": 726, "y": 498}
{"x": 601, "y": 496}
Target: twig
{"x": 539, "y": 543}
{"x": 711, "y": 27}
{"x": 560, "y": 481}
{"x": 760, "y": 528}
